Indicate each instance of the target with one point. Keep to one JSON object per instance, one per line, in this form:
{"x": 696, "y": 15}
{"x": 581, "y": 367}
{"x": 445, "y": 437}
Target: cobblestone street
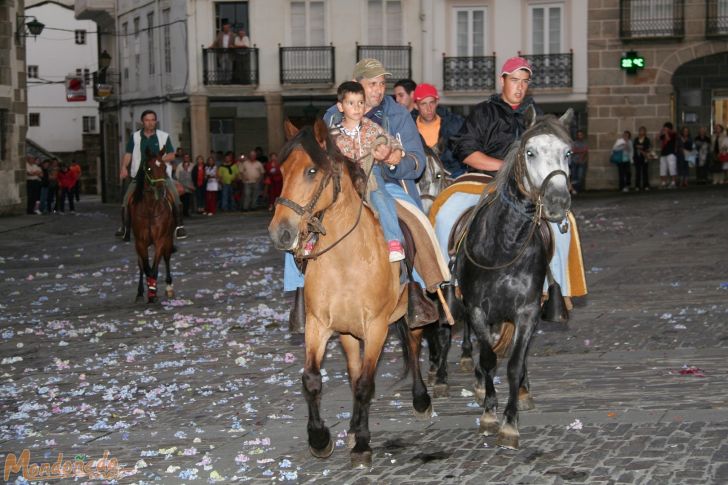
{"x": 206, "y": 386}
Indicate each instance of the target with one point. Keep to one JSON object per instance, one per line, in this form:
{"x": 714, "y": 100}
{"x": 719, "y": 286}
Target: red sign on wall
{"x": 75, "y": 88}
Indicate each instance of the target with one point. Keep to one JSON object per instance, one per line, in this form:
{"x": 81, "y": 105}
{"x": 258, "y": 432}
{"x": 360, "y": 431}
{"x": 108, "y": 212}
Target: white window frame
{"x": 80, "y": 36}
{"x": 150, "y": 42}
{"x": 88, "y": 124}
{"x": 307, "y": 23}
{"x": 454, "y": 30}
{"x": 30, "y": 119}
{"x": 166, "y": 13}
{"x": 32, "y": 72}
{"x": 385, "y": 40}
{"x": 546, "y": 42}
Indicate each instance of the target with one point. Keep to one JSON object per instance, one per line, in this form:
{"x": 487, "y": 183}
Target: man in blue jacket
{"x": 399, "y": 177}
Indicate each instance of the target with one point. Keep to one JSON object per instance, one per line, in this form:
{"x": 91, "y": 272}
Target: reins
{"x": 535, "y": 220}
{"x": 316, "y": 221}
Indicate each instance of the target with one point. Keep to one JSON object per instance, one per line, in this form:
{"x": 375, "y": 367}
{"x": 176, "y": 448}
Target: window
{"x": 136, "y": 27}
{"x": 469, "y": 31}
{"x": 307, "y": 24}
{"x": 546, "y": 29}
{"x": 137, "y": 53}
{"x": 86, "y": 73}
{"x": 167, "y": 42}
{"x": 125, "y": 48}
{"x": 32, "y": 72}
{"x": 150, "y": 41}
{"x": 234, "y": 13}
{"x": 89, "y": 124}
{"x": 33, "y": 119}
{"x": 80, "y": 37}
{"x": 651, "y": 18}
{"x": 384, "y": 22}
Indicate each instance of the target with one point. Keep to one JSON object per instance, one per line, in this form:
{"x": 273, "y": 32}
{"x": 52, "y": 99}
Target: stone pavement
{"x": 205, "y": 386}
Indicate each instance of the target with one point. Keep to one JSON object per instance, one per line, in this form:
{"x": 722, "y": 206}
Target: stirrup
{"x": 180, "y": 232}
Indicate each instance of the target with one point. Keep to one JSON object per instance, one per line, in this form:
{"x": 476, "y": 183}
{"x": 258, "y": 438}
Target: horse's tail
{"x": 407, "y": 342}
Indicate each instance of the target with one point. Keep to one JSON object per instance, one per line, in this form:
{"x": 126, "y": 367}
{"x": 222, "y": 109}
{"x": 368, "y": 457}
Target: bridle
{"x": 313, "y": 222}
{"x": 536, "y": 219}
{"x": 152, "y": 182}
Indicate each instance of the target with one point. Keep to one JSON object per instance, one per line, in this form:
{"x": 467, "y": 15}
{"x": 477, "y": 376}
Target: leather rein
{"x": 535, "y": 220}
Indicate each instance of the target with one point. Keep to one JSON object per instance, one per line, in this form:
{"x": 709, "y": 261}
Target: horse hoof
{"x": 350, "y": 440}
{"x": 361, "y": 459}
{"x": 431, "y": 376}
{"x": 139, "y": 298}
{"x": 488, "y": 424}
{"x": 324, "y": 452}
{"x": 441, "y": 390}
{"x": 479, "y": 394}
{"x": 525, "y": 402}
{"x": 466, "y": 364}
{"x": 424, "y": 415}
{"x": 170, "y": 293}
{"x": 507, "y": 437}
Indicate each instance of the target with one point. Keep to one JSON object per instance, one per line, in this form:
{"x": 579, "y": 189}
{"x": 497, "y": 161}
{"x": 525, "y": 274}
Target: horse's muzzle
{"x": 556, "y": 203}
{"x": 283, "y": 234}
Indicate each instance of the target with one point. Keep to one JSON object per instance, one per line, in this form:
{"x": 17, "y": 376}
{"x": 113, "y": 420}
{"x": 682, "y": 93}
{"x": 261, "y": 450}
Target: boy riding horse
{"x": 152, "y": 139}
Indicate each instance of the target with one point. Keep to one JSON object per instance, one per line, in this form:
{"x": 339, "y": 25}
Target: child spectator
{"x": 211, "y": 187}
{"x": 358, "y": 137}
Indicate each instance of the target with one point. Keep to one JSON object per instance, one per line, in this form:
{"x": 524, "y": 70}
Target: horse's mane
{"x": 512, "y": 165}
{"x": 325, "y": 159}
{"x": 139, "y": 178}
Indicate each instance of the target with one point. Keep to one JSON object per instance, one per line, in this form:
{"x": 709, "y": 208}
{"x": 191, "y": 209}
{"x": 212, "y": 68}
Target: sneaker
{"x": 626, "y": 189}
{"x": 396, "y": 251}
{"x": 180, "y": 232}
{"x": 119, "y": 232}
{"x": 37, "y": 212}
{"x": 672, "y": 185}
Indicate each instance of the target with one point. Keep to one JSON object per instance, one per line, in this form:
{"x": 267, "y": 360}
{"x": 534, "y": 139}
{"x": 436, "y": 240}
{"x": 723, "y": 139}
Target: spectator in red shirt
{"x": 66, "y": 182}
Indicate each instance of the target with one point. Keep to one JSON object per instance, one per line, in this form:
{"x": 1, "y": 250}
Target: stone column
{"x": 200, "y": 124}
{"x": 274, "y": 115}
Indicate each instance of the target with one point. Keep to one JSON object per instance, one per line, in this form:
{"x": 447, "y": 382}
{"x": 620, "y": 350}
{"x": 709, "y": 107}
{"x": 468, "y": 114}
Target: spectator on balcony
{"x": 241, "y": 39}
{"x": 224, "y": 40}
{"x": 403, "y": 90}
{"x": 437, "y": 126}
{"x": 242, "y": 58}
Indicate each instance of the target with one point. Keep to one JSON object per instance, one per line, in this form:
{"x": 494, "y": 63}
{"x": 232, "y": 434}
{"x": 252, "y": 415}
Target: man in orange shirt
{"x": 76, "y": 169}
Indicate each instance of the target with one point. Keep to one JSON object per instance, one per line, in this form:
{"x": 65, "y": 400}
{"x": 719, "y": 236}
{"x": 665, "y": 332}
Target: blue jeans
{"x": 578, "y": 176}
{"x": 384, "y": 204}
{"x": 293, "y": 279}
{"x": 448, "y": 215}
{"x": 227, "y": 197}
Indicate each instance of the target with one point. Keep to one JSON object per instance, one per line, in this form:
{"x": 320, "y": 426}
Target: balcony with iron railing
{"x": 307, "y": 65}
{"x": 551, "y": 70}
{"x": 716, "y": 20}
{"x": 468, "y": 73}
{"x": 645, "y": 19}
{"x": 396, "y": 59}
{"x": 238, "y": 66}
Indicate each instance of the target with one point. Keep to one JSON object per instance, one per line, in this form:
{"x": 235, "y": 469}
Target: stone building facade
{"x": 13, "y": 108}
{"x": 685, "y": 47}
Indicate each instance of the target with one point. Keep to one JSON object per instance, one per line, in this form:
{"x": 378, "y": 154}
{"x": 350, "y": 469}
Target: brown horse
{"x": 350, "y": 285}
{"x": 152, "y": 222}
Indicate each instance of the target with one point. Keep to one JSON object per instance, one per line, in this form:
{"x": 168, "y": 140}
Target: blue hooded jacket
{"x": 398, "y": 123}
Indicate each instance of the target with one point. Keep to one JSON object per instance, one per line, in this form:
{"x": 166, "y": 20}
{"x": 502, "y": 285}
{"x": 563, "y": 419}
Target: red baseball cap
{"x": 514, "y": 64}
{"x": 425, "y": 90}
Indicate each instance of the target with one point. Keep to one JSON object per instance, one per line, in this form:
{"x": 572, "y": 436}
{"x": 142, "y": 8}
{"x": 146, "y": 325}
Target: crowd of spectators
{"x": 50, "y": 183}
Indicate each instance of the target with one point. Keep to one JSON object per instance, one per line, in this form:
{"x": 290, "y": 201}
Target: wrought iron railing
{"x": 475, "y": 73}
{"x": 651, "y": 19}
{"x": 230, "y": 66}
{"x": 303, "y": 65}
{"x": 396, "y": 59}
{"x": 716, "y": 20}
{"x": 551, "y": 70}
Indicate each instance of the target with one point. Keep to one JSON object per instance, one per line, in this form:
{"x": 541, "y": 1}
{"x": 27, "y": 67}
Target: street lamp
{"x": 33, "y": 27}
{"x": 104, "y": 60}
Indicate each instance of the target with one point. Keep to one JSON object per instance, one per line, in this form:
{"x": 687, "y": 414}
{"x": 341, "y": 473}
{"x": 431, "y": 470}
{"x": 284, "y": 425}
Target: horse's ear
{"x": 290, "y": 129}
{"x": 567, "y": 118}
{"x": 530, "y": 116}
{"x": 321, "y": 132}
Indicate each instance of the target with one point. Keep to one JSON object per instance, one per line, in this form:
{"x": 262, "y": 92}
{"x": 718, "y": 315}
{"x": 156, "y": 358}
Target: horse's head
{"x": 542, "y": 166}
{"x": 154, "y": 167}
{"x": 311, "y": 183}
{"x": 433, "y": 179}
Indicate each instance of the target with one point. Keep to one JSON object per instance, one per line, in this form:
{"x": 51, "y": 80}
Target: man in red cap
{"x": 495, "y": 123}
{"x": 437, "y": 126}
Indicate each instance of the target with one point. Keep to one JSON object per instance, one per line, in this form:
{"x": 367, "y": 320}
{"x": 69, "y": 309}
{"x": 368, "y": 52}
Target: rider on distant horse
{"x": 148, "y": 138}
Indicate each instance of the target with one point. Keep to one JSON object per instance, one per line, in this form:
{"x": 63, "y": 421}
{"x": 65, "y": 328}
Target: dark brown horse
{"x": 350, "y": 285}
{"x": 152, "y": 222}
